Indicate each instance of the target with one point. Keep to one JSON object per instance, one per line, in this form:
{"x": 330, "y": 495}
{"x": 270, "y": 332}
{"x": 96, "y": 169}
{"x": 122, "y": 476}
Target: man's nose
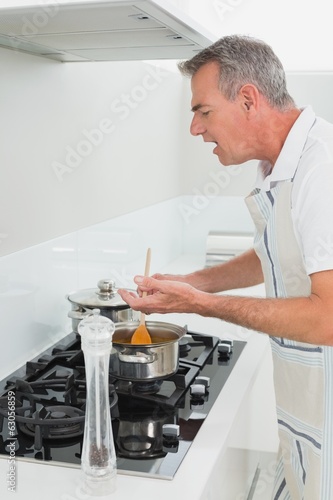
{"x": 196, "y": 127}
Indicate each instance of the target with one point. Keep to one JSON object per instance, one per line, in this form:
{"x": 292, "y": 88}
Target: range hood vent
{"x": 102, "y": 31}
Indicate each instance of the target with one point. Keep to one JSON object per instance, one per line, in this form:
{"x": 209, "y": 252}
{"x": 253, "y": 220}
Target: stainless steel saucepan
{"x": 143, "y": 362}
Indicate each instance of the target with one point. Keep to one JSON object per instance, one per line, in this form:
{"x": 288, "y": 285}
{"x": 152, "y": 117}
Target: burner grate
{"x": 206, "y": 345}
{"x": 167, "y": 392}
{"x": 43, "y": 424}
{"x": 53, "y": 406}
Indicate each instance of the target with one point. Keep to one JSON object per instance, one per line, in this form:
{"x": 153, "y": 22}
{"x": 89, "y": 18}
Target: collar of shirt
{"x": 288, "y": 159}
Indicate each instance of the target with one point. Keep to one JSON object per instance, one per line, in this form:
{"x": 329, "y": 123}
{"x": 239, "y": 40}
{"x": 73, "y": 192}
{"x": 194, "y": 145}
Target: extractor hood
{"x": 101, "y": 30}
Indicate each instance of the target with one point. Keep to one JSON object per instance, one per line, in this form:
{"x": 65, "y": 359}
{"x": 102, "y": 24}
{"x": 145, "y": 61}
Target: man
{"x": 240, "y": 103}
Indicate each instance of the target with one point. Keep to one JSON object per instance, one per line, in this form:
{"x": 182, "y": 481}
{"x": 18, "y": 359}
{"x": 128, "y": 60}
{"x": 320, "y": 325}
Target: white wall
{"x": 82, "y": 143}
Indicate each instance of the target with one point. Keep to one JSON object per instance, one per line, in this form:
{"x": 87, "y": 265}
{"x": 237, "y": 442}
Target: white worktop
{"x": 205, "y": 472}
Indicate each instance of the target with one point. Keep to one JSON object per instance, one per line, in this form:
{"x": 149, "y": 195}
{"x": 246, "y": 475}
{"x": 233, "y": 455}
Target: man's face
{"x": 217, "y": 119}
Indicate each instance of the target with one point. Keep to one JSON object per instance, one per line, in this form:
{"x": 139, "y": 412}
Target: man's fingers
{"x": 147, "y": 283}
{"x": 126, "y": 295}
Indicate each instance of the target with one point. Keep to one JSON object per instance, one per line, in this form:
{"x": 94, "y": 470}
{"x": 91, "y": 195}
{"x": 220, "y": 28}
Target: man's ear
{"x": 249, "y": 97}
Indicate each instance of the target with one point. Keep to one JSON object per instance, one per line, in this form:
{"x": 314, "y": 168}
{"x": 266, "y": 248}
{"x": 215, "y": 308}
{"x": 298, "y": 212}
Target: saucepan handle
{"x": 138, "y": 357}
{"x": 78, "y": 314}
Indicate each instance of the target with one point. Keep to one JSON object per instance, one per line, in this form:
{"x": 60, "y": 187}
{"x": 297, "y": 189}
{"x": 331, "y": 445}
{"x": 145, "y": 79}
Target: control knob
{"x": 171, "y": 434}
{"x": 171, "y": 431}
{"x": 224, "y": 349}
{"x": 199, "y": 392}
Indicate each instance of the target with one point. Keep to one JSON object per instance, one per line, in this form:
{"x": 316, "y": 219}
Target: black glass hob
{"x": 42, "y": 406}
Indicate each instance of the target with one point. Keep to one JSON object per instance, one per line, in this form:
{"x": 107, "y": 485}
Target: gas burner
{"x": 166, "y": 392}
{"x": 149, "y": 387}
{"x": 53, "y": 422}
{"x": 143, "y": 389}
{"x": 184, "y": 347}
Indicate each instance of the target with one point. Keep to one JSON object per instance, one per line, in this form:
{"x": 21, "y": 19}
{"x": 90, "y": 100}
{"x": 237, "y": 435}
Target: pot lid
{"x": 105, "y": 296}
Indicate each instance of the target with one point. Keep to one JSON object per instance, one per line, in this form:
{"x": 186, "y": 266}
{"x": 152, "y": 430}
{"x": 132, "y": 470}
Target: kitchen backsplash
{"x": 34, "y": 282}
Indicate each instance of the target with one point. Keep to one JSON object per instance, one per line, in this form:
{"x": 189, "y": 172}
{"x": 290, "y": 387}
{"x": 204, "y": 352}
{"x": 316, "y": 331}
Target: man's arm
{"x": 304, "y": 319}
{"x": 241, "y": 272}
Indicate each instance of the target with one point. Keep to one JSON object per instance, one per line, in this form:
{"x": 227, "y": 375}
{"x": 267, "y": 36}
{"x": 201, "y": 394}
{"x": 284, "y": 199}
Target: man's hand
{"x": 163, "y": 295}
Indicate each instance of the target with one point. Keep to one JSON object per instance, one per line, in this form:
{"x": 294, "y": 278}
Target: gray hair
{"x": 243, "y": 60}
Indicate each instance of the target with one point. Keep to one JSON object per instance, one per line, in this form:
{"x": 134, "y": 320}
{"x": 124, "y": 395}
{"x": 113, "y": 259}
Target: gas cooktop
{"x": 42, "y": 407}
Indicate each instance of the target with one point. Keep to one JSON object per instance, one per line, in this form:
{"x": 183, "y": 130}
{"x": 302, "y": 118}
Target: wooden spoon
{"x": 141, "y": 334}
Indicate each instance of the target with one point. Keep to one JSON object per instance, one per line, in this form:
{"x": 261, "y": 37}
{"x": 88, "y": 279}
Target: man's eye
{"x": 205, "y": 113}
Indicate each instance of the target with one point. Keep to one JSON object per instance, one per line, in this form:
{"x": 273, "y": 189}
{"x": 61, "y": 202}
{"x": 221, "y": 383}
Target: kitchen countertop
{"x": 199, "y": 476}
